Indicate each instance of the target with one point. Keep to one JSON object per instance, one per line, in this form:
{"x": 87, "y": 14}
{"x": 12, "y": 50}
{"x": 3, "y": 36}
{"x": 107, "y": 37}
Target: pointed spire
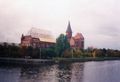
{"x": 22, "y": 37}
{"x": 69, "y": 30}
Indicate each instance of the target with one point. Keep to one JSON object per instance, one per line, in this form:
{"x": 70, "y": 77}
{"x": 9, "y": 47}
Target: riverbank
{"x": 85, "y": 59}
{"x": 23, "y": 61}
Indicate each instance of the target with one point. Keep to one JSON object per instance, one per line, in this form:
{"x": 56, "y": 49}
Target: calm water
{"x": 105, "y": 71}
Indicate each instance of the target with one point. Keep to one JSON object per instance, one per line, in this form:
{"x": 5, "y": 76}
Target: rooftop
{"x": 43, "y": 35}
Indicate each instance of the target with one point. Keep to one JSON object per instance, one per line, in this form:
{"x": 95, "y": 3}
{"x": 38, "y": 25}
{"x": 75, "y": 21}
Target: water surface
{"x": 104, "y": 71}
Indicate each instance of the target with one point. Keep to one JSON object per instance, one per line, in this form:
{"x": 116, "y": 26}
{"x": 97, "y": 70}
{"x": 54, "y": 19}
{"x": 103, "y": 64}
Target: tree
{"x": 48, "y": 52}
{"x": 61, "y": 44}
{"x": 30, "y": 51}
{"x": 67, "y": 53}
{"x": 77, "y": 53}
{"x": 36, "y": 53}
{"x": 94, "y": 53}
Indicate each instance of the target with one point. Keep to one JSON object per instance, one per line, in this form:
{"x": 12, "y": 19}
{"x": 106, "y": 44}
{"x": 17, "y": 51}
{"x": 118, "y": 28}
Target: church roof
{"x": 43, "y": 35}
{"x": 27, "y": 37}
{"x": 69, "y": 28}
{"x": 79, "y": 36}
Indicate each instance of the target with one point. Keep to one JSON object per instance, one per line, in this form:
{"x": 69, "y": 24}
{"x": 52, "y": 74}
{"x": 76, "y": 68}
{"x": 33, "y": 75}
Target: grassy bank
{"x": 21, "y": 61}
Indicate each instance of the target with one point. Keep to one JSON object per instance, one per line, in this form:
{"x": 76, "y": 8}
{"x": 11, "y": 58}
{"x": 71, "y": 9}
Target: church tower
{"x": 69, "y": 31}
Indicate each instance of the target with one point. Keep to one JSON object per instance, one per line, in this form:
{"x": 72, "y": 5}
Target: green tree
{"x": 30, "y": 51}
{"x": 61, "y": 44}
{"x": 36, "y": 53}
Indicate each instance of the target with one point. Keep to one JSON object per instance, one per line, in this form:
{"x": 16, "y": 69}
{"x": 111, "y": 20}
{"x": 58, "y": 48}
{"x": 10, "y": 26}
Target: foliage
{"x": 102, "y": 53}
{"x": 73, "y": 53}
{"x": 77, "y": 53}
{"x": 61, "y": 44}
{"x": 62, "y": 48}
{"x": 67, "y": 53}
{"x": 9, "y": 50}
{"x": 47, "y": 53}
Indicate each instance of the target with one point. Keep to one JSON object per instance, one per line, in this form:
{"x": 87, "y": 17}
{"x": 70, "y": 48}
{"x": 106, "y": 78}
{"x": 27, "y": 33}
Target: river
{"x": 102, "y": 71}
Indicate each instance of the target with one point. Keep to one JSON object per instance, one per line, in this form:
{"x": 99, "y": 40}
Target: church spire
{"x": 69, "y": 31}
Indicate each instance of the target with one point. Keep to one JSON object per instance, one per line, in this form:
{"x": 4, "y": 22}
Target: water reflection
{"x": 64, "y": 72}
{"x": 38, "y": 74}
{"x": 77, "y": 72}
{"x": 70, "y": 72}
{"x": 107, "y": 71}
{"x": 29, "y": 73}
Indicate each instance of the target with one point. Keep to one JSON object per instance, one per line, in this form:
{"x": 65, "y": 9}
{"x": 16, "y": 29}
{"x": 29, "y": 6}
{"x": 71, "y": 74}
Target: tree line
{"x": 60, "y": 49}
{"x": 14, "y": 51}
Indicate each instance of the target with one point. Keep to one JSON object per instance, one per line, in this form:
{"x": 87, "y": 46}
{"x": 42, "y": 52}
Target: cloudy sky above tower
{"x": 97, "y": 20}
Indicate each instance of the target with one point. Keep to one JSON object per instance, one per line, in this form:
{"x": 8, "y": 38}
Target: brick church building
{"x": 43, "y": 38}
{"x": 37, "y": 38}
{"x": 76, "y": 41}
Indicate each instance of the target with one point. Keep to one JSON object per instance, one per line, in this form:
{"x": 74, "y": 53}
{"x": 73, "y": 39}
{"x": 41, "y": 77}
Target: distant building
{"x": 37, "y": 38}
{"x": 77, "y": 41}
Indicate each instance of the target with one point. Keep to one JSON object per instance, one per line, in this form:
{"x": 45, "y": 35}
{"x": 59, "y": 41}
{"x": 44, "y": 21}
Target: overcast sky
{"x": 98, "y": 20}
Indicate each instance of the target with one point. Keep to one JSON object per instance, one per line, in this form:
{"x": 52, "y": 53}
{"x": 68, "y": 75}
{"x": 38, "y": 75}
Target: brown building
{"x": 37, "y": 38}
{"x": 76, "y": 41}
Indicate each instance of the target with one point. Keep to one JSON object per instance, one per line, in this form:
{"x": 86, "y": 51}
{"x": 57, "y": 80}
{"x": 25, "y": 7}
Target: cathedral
{"x": 76, "y": 41}
{"x": 44, "y": 39}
